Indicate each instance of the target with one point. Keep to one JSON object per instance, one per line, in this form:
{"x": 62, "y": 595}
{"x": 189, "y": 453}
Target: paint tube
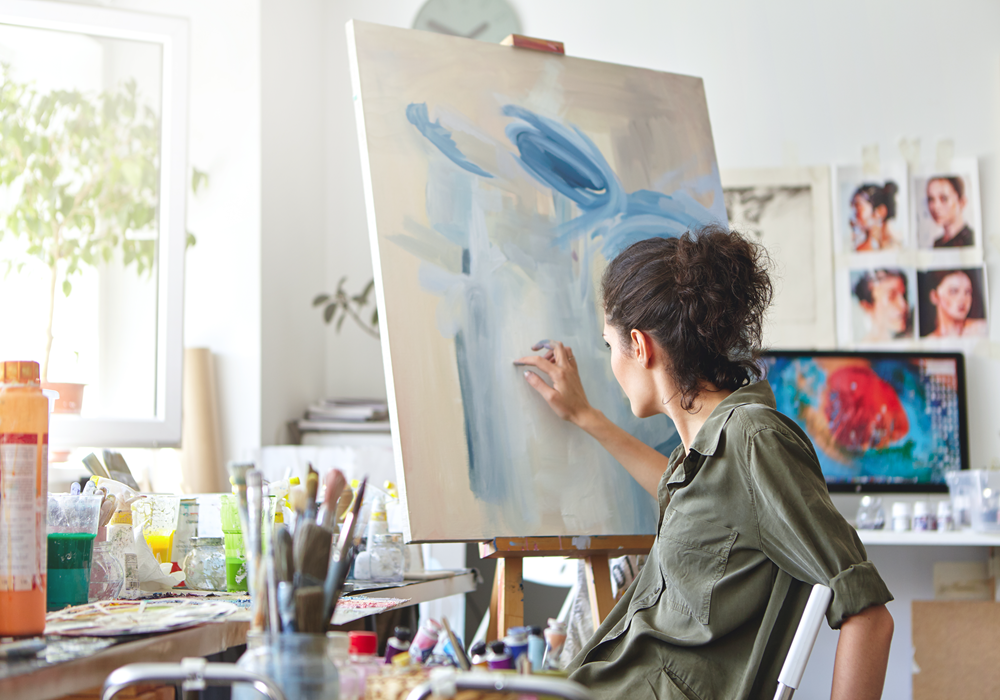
{"x": 425, "y": 641}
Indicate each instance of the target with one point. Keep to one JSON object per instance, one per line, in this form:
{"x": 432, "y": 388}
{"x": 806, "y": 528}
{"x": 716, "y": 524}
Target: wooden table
{"x": 85, "y": 673}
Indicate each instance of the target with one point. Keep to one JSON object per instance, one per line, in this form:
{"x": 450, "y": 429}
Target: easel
{"x": 507, "y": 600}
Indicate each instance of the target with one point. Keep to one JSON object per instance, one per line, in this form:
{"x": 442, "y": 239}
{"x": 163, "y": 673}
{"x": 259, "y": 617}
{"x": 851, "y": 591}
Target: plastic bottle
{"x": 24, "y": 485}
{"x": 352, "y": 680}
{"x": 398, "y": 643}
{"x": 425, "y": 641}
{"x": 536, "y": 647}
{"x": 555, "y": 638}
{"x": 516, "y": 642}
{"x": 363, "y": 647}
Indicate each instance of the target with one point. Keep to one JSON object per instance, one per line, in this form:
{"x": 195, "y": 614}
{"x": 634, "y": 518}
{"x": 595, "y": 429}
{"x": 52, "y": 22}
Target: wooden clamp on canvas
{"x": 507, "y": 601}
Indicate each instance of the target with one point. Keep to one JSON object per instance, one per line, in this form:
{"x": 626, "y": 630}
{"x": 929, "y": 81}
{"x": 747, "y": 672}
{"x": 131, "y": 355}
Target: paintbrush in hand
{"x": 340, "y": 560}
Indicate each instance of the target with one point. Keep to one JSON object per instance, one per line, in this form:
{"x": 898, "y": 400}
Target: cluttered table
{"x": 84, "y": 644}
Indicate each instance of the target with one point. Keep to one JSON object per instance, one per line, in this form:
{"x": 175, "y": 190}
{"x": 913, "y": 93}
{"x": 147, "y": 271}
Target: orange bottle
{"x": 24, "y": 483}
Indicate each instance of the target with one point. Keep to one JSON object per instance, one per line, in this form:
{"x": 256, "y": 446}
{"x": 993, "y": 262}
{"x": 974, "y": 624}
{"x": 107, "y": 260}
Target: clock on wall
{"x": 486, "y": 20}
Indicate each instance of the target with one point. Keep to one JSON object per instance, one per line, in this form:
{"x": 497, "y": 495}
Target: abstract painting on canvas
{"x": 499, "y": 183}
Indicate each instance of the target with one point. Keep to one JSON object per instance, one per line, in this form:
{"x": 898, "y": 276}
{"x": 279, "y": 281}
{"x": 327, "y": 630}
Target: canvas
{"x": 499, "y": 182}
{"x": 787, "y": 210}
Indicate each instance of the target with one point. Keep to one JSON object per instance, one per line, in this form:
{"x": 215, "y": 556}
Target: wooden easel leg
{"x": 599, "y": 587}
{"x": 507, "y": 604}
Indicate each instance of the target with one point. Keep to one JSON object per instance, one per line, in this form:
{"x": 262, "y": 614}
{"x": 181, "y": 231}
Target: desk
{"x": 76, "y": 670}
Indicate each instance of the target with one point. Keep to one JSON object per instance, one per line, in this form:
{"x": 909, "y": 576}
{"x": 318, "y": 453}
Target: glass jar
{"x": 107, "y": 575}
{"x": 299, "y": 664}
{"x": 205, "y": 565}
{"x": 386, "y": 559}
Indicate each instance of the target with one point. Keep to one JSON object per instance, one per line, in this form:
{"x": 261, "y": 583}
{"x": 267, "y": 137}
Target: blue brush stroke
{"x": 440, "y": 137}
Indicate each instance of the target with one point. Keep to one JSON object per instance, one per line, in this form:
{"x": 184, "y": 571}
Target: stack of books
{"x": 346, "y": 415}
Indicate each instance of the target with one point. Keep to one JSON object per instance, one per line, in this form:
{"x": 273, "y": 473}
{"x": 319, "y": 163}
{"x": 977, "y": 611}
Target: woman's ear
{"x": 643, "y": 348}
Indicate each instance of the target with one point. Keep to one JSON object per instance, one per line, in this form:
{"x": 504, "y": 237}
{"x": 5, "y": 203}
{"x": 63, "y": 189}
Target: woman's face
{"x": 632, "y": 378}
{"x": 889, "y": 308}
{"x": 953, "y": 296}
{"x": 863, "y": 211}
{"x": 943, "y": 202}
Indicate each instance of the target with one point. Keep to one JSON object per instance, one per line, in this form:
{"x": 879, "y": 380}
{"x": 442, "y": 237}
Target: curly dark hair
{"x": 702, "y": 297}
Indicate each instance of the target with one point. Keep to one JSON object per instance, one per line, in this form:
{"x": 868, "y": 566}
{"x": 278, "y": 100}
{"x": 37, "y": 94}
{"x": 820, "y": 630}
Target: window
{"x": 93, "y": 114}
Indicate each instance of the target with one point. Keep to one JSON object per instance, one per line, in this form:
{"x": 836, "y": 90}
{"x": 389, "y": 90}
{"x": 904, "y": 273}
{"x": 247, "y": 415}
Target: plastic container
{"x": 205, "y": 565}
{"x": 232, "y": 532}
{"x": 299, "y": 664}
{"x": 352, "y": 680}
{"x": 363, "y": 647}
{"x": 901, "y": 517}
{"x": 975, "y": 499}
{"x": 72, "y": 527}
{"x": 24, "y": 483}
{"x": 107, "y": 575}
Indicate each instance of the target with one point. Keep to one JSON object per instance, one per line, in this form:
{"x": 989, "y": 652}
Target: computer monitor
{"x": 880, "y": 421}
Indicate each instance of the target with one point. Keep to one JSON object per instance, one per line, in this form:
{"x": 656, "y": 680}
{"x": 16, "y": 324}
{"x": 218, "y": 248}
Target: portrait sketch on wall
{"x": 871, "y": 212}
{"x": 953, "y": 303}
{"x": 499, "y": 182}
{"x": 787, "y": 210}
{"x": 882, "y": 305}
{"x": 947, "y": 211}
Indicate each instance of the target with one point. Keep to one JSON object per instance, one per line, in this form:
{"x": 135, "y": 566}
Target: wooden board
{"x": 956, "y": 650}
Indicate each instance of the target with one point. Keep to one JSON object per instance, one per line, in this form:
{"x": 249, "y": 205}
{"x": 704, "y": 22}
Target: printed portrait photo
{"x": 871, "y": 212}
{"x": 947, "y": 208}
{"x": 882, "y": 305}
{"x": 952, "y": 303}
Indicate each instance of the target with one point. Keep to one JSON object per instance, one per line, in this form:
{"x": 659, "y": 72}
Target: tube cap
{"x": 363, "y": 642}
{"x": 19, "y": 372}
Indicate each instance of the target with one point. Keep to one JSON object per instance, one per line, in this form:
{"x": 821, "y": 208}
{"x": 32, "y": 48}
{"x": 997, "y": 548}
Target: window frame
{"x": 172, "y": 34}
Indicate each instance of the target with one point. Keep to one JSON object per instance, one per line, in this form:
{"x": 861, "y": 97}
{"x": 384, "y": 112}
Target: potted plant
{"x": 81, "y": 173}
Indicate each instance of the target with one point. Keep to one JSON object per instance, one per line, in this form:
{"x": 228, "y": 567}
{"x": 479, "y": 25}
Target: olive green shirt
{"x": 746, "y": 528}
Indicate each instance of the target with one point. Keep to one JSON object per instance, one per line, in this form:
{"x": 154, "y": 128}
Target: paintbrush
{"x": 309, "y": 610}
{"x": 94, "y": 466}
{"x": 340, "y": 560}
{"x": 252, "y": 544}
{"x": 334, "y": 484}
{"x": 312, "y": 488}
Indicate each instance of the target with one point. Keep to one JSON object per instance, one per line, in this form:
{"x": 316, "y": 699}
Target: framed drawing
{"x": 787, "y": 210}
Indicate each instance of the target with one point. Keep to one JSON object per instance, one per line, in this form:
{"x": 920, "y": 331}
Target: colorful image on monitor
{"x": 877, "y": 419}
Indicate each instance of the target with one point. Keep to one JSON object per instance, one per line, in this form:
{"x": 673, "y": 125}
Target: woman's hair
{"x": 877, "y": 196}
{"x": 702, "y": 297}
{"x": 863, "y": 288}
{"x": 956, "y": 183}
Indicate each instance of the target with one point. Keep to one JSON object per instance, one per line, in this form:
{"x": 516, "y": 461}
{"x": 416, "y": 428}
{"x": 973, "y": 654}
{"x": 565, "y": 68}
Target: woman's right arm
{"x": 568, "y": 400}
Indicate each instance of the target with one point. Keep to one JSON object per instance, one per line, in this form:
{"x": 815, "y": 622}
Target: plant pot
{"x": 70, "y": 396}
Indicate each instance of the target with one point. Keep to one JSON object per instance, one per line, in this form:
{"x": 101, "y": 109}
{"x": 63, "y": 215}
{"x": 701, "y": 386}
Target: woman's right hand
{"x": 565, "y": 396}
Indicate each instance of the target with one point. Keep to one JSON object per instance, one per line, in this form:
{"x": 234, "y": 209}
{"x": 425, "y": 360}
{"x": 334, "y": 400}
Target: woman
{"x": 946, "y": 204}
{"x": 882, "y": 295}
{"x": 874, "y": 207}
{"x": 746, "y": 523}
{"x": 951, "y": 296}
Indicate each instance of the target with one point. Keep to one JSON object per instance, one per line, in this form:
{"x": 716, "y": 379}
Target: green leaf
{"x": 328, "y": 312}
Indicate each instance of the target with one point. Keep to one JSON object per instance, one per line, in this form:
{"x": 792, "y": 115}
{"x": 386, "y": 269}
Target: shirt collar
{"x": 706, "y": 442}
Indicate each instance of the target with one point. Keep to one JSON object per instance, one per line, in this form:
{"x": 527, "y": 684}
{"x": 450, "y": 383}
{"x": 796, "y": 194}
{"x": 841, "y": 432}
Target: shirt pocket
{"x": 692, "y": 555}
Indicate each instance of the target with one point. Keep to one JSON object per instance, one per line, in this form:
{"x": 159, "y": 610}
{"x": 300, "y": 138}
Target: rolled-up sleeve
{"x": 801, "y": 531}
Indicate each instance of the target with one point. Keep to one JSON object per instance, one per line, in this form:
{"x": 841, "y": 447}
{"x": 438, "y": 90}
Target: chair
{"x": 803, "y": 641}
{"x": 192, "y": 675}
